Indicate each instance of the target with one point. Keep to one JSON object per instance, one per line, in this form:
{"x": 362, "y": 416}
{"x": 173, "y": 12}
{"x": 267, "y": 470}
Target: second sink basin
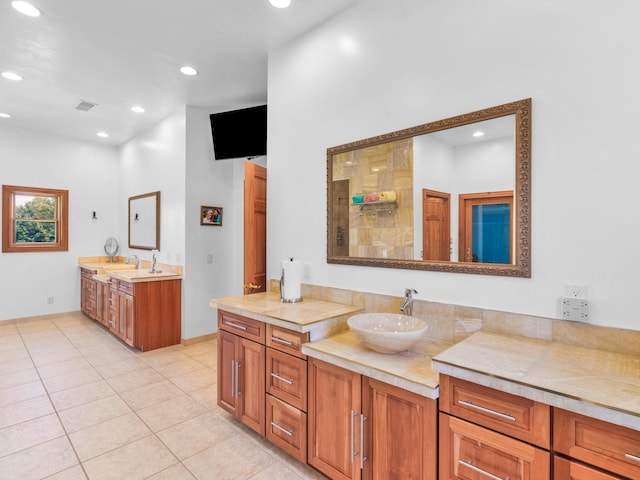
{"x": 387, "y": 332}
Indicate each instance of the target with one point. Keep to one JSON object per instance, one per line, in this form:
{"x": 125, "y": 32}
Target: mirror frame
{"x": 522, "y": 265}
{"x": 157, "y": 239}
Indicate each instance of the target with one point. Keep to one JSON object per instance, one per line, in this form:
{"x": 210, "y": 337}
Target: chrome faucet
{"x": 135, "y": 259}
{"x": 407, "y": 305}
{"x": 154, "y": 267}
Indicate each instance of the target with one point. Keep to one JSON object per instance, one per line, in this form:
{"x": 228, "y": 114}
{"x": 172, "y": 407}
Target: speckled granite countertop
{"x": 597, "y": 383}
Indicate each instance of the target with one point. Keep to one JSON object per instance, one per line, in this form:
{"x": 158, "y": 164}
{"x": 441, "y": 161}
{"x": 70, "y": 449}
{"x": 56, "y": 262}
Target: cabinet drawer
{"x": 126, "y": 287}
{"x": 469, "y": 451}
{"x": 608, "y": 446}
{"x": 509, "y": 414}
{"x": 286, "y": 378}
{"x": 286, "y": 340}
{"x": 287, "y": 428}
{"x": 564, "y": 469}
{"x": 241, "y": 326}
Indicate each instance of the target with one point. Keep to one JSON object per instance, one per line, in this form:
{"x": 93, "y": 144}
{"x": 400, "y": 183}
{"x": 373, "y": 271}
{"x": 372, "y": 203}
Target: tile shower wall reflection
{"x": 376, "y": 229}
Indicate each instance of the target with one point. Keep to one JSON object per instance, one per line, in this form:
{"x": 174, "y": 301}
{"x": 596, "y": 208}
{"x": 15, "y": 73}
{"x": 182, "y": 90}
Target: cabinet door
{"x": 471, "y": 452}
{"x": 334, "y": 420}
{"x": 227, "y": 372}
{"x": 400, "y": 433}
{"x": 251, "y": 387}
{"x": 241, "y": 387}
{"x": 564, "y": 469}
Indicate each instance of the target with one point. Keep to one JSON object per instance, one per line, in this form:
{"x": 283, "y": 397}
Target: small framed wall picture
{"x": 211, "y": 216}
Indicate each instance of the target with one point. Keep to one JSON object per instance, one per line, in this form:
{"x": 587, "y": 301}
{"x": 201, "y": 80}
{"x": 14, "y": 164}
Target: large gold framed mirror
{"x": 452, "y": 196}
{"x": 144, "y": 221}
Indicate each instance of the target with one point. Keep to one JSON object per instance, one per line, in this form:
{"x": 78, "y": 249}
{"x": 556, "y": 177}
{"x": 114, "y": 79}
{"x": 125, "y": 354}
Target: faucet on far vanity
{"x": 133, "y": 260}
{"x": 154, "y": 266}
{"x": 407, "y": 305}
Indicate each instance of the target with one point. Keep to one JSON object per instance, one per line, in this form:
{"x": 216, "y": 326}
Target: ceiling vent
{"x": 85, "y": 106}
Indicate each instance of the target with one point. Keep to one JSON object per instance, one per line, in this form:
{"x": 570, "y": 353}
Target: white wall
{"x": 89, "y": 171}
{"x": 382, "y": 66}
{"x": 210, "y": 183}
{"x": 155, "y": 161}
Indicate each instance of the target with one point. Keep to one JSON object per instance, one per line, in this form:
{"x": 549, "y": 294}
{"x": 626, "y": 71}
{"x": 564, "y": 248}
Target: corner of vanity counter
{"x": 319, "y": 318}
{"x": 599, "y": 384}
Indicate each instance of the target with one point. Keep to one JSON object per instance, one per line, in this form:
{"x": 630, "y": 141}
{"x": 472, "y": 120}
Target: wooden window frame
{"x": 9, "y": 243}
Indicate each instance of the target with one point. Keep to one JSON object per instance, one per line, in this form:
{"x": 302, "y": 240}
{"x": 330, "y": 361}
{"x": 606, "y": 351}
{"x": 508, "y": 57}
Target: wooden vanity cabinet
{"x": 262, "y": 379}
{"x": 606, "y": 446}
{"x": 363, "y": 428}
{"x": 145, "y": 315}
{"x": 286, "y": 388}
{"x": 493, "y": 434}
{"x": 241, "y": 369}
{"x": 88, "y": 292}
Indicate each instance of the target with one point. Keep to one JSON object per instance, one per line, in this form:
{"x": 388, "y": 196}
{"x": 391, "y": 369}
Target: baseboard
{"x": 192, "y": 341}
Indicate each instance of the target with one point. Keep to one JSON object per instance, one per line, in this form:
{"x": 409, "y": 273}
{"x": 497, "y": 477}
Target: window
{"x": 34, "y": 219}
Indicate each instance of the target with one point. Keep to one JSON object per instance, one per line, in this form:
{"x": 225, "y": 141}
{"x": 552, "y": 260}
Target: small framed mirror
{"x": 144, "y": 221}
{"x": 451, "y": 195}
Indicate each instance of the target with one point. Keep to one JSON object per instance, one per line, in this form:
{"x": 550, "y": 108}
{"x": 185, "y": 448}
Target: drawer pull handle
{"x": 276, "y": 375}
{"x": 235, "y": 325}
{"x": 282, "y": 342}
{"x": 480, "y": 471}
{"x": 635, "y": 458}
{"x": 288, "y": 432}
{"x": 504, "y": 416}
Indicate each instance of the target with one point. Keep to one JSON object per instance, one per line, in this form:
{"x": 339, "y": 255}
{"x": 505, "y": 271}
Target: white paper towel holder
{"x": 282, "y": 282}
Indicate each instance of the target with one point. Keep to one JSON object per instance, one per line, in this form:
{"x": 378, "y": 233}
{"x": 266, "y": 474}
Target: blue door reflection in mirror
{"x": 490, "y": 233}
{"x": 486, "y": 227}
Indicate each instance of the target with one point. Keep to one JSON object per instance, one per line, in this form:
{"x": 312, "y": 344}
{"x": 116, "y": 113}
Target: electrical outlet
{"x": 577, "y": 309}
{"x": 576, "y": 291}
{"x": 49, "y": 300}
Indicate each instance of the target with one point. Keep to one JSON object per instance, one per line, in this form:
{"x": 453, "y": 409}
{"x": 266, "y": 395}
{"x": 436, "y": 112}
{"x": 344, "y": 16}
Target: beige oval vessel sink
{"x": 387, "y": 332}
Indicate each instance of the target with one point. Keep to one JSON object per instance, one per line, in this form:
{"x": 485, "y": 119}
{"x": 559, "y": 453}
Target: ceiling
{"x": 120, "y": 53}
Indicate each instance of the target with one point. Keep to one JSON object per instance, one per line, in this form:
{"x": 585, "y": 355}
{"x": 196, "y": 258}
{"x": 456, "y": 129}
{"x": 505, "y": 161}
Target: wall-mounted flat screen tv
{"x": 239, "y": 133}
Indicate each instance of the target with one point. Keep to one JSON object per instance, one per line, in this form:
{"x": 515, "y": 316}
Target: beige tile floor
{"x": 76, "y": 403}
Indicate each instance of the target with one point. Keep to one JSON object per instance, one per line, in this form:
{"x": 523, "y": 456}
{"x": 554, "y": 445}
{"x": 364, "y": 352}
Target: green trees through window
{"x": 34, "y": 219}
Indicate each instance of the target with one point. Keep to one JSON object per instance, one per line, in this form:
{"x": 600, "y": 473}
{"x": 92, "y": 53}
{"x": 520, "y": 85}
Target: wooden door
{"x": 251, "y": 384}
{"x": 255, "y": 228}
{"x": 494, "y": 246}
{"x": 436, "y": 229}
{"x": 401, "y": 433}
{"x": 334, "y": 420}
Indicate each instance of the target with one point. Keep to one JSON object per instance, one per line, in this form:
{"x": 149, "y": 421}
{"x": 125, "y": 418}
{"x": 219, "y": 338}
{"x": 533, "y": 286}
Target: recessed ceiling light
{"x": 280, "y": 3}
{"x": 11, "y": 76}
{"x": 102, "y": 134}
{"x": 26, "y": 8}
{"x": 137, "y": 109}
{"x": 188, "y": 70}
{"x": 478, "y": 134}
{"x": 4, "y": 115}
